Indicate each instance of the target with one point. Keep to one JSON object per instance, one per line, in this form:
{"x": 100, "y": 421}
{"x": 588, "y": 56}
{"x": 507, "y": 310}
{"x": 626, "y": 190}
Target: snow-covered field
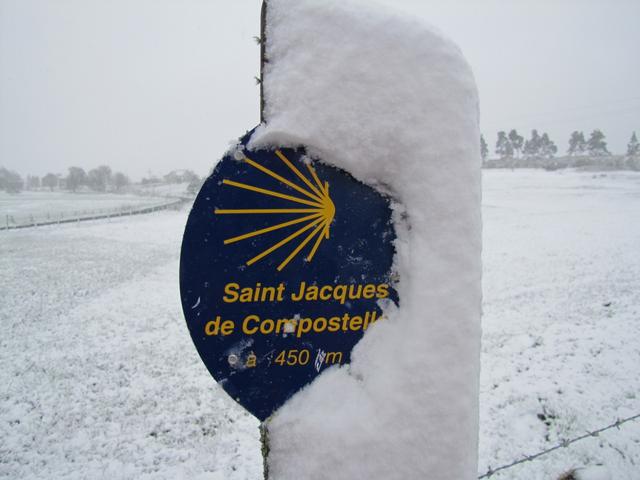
{"x": 163, "y": 189}
{"x": 47, "y": 206}
{"x": 100, "y": 379}
{"x": 561, "y": 324}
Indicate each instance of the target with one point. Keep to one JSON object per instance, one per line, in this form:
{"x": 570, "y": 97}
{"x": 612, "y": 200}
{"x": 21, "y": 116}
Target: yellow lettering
{"x": 334, "y": 324}
{"x": 251, "y": 360}
{"x": 356, "y": 295}
{"x": 340, "y": 293}
{"x": 297, "y": 298}
{"x": 316, "y": 324}
{"x": 212, "y": 327}
{"x": 267, "y": 326}
{"x": 345, "y": 319}
{"x": 304, "y": 326}
{"x": 383, "y": 290}
{"x": 268, "y": 292}
{"x": 226, "y": 328}
{"x": 215, "y": 327}
{"x": 325, "y": 292}
{"x": 355, "y": 323}
{"x": 367, "y": 321}
{"x": 312, "y": 293}
{"x": 333, "y": 357}
{"x": 230, "y": 292}
{"x": 369, "y": 291}
{"x": 246, "y": 295}
{"x": 245, "y": 324}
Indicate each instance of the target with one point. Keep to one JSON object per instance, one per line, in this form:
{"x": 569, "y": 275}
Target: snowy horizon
{"x": 153, "y": 86}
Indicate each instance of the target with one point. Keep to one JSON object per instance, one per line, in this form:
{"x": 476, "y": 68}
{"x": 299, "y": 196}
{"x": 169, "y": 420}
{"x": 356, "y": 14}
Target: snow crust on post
{"x": 394, "y": 103}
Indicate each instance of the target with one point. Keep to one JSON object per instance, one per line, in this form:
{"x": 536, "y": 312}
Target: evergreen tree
{"x": 633, "y": 147}
{"x": 547, "y": 148}
{"x": 504, "y": 148}
{"x": 517, "y": 141}
{"x": 577, "y": 144}
{"x": 596, "y": 145}
{"x": 484, "y": 149}
{"x": 532, "y": 146}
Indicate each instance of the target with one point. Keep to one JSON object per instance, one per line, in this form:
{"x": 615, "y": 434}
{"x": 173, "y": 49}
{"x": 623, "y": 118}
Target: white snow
{"x": 395, "y": 104}
{"x": 171, "y": 190}
{"x": 593, "y": 473}
{"x": 99, "y": 378}
{"x": 47, "y": 206}
{"x": 561, "y": 323}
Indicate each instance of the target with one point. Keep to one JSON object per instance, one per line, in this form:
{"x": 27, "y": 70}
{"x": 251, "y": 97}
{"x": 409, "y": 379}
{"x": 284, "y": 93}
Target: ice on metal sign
{"x": 286, "y": 262}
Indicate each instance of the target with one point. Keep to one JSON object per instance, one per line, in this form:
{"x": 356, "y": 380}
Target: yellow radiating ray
{"x": 282, "y": 179}
{"x": 266, "y": 210}
{"x": 318, "y": 241}
{"x": 301, "y": 246}
{"x": 326, "y": 191}
{"x": 319, "y": 217}
{"x": 285, "y": 241}
{"x": 271, "y": 193}
{"x": 298, "y": 172}
{"x": 315, "y": 177}
{"x": 271, "y": 229}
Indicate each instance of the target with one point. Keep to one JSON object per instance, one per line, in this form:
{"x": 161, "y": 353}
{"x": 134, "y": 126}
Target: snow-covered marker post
{"x": 330, "y": 270}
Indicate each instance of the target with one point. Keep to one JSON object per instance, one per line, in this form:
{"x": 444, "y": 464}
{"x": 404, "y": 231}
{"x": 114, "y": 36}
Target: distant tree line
{"x": 99, "y": 179}
{"x": 177, "y": 176}
{"x": 513, "y": 150}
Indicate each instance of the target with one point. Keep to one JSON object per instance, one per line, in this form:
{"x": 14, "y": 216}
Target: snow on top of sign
{"x": 394, "y": 103}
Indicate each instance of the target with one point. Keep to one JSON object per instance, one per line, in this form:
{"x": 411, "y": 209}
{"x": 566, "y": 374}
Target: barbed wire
{"x": 564, "y": 444}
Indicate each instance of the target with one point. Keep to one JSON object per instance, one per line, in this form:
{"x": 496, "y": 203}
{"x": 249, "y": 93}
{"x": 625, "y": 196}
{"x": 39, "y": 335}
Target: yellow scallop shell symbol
{"x": 317, "y": 216}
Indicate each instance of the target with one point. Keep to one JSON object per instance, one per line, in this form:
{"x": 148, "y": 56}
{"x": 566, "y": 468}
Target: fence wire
{"x": 9, "y": 222}
{"x": 564, "y": 444}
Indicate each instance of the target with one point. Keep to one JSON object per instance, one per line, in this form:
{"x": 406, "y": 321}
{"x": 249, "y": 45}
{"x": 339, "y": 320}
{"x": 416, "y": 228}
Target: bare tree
{"x": 10, "y": 181}
{"x": 120, "y": 180}
{"x": 50, "y": 181}
{"x": 99, "y": 178}
{"x": 77, "y": 177}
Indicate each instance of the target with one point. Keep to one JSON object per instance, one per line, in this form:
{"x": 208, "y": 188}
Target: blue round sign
{"x": 286, "y": 261}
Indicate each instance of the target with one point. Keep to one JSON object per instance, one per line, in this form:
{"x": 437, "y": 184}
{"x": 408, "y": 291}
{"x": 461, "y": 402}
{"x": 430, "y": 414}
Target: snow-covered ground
{"x": 17, "y": 209}
{"x": 173, "y": 190}
{"x": 100, "y": 379}
{"x": 561, "y": 325}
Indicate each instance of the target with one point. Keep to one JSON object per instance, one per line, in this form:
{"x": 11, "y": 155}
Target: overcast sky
{"x": 152, "y": 85}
